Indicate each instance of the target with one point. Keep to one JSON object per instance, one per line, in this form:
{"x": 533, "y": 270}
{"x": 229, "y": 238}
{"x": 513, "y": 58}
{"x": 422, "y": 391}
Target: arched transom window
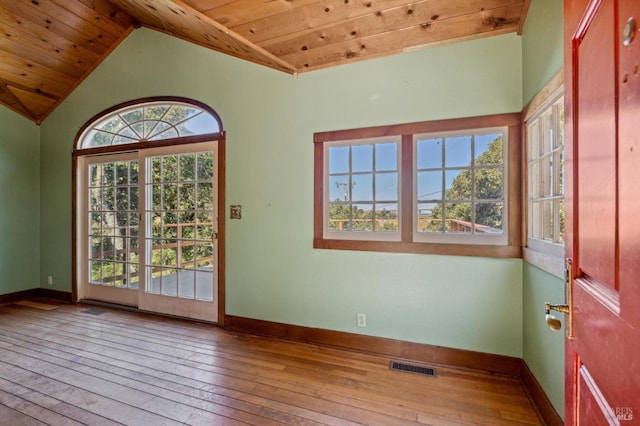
{"x": 151, "y": 121}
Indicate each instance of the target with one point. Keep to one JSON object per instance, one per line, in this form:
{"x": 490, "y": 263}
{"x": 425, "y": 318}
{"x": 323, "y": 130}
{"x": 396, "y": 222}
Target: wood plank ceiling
{"x": 47, "y": 47}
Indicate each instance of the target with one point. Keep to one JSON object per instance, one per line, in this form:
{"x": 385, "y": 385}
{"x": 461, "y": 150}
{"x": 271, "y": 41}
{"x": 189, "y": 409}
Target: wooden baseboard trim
{"x": 34, "y": 293}
{"x": 537, "y": 396}
{"x": 19, "y": 295}
{"x": 419, "y": 352}
{"x": 64, "y": 296}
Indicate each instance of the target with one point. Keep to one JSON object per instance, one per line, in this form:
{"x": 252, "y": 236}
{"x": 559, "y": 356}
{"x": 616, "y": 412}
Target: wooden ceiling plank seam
{"x": 85, "y": 25}
{"x": 38, "y": 104}
{"x": 345, "y": 61}
{"x": 11, "y": 101}
{"x": 108, "y": 10}
{"x": 17, "y": 85}
{"x": 394, "y": 19}
{"x": 86, "y": 13}
{"x": 51, "y": 37}
{"x": 312, "y": 16}
{"x": 246, "y": 11}
{"x": 419, "y": 13}
{"x": 34, "y": 68}
{"x": 40, "y": 37}
{"x": 345, "y": 14}
{"x": 95, "y": 65}
{"x": 208, "y": 4}
{"x": 440, "y": 29}
{"x": 14, "y": 76}
{"x": 411, "y": 38}
{"x": 170, "y": 15}
{"x": 84, "y": 37}
{"x": 15, "y": 46}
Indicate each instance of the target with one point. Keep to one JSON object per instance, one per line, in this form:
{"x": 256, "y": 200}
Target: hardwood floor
{"x": 81, "y": 364}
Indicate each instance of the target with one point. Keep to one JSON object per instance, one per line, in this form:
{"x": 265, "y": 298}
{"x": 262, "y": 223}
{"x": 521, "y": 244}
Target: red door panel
{"x": 597, "y": 123}
{"x": 593, "y": 408}
{"x": 629, "y": 166}
{"x": 602, "y": 95}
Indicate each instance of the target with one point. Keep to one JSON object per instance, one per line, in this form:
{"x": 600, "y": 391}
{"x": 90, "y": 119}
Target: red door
{"x": 602, "y": 93}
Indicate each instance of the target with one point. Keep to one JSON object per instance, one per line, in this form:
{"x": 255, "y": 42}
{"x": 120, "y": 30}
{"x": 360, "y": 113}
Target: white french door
{"x": 180, "y": 231}
{"x": 150, "y": 219}
{"x": 110, "y": 228}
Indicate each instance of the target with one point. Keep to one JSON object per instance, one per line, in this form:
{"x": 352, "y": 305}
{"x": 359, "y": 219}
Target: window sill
{"x": 420, "y": 248}
{"x": 551, "y": 264}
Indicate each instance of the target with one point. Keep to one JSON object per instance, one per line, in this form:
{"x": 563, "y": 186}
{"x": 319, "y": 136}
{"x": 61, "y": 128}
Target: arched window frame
{"x": 142, "y": 143}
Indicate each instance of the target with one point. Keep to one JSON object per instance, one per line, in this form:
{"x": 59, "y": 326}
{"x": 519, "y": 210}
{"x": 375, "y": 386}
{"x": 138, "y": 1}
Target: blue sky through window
{"x": 354, "y": 171}
{"x": 367, "y": 172}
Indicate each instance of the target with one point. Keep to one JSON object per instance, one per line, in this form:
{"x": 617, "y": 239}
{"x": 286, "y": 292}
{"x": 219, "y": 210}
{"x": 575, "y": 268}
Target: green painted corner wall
{"x": 543, "y": 348}
{"x": 20, "y": 203}
{"x": 273, "y": 273}
{"x": 542, "y": 51}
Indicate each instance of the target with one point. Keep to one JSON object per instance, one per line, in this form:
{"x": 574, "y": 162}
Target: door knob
{"x": 553, "y": 322}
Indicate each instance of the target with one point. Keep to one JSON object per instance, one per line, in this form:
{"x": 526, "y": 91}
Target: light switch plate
{"x": 236, "y": 212}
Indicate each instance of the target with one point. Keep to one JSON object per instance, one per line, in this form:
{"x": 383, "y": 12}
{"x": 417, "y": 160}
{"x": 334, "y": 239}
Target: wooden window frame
{"x": 79, "y": 150}
{"x": 462, "y": 238}
{"x": 512, "y": 248}
{"x": 374, "y": 234}
{"x": 544, "y": 255}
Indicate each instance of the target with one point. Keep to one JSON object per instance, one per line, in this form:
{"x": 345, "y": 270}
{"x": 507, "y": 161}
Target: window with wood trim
{"x": 545, "y": 187}
{"x": 449, "y": 187}
{"x": 362, "y": 189}
{"x": 460, "y": 186}
{"x": 153, "y": 121}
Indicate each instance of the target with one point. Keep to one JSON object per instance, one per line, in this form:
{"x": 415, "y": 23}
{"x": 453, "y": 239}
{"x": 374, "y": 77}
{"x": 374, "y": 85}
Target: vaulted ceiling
{"x": 47, "y": 47}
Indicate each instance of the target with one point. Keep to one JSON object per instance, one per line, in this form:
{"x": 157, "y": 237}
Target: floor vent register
{"x": 415, "y": 369}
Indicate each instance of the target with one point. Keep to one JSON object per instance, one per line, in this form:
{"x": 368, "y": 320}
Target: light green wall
{"x": 19, "y": 203}
{"x": 542, "y": 52}
{"x": 56, "y": 143}
{"x": 543, "y": 349}
{"x": 273, "y": 273}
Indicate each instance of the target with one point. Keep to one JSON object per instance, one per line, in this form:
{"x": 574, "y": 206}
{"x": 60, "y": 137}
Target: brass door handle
{"x": 553, "y": 322}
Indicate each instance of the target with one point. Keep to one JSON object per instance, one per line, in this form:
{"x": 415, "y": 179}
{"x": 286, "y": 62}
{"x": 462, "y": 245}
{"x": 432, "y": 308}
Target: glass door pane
{"x": 112, "y": 224}
{"x": 181, "y": 232}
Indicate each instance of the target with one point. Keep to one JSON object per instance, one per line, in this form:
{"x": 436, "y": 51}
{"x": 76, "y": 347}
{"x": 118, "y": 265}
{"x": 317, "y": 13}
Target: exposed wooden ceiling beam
{"x": 179, "y": 19}
{"x": 8, "y": 98}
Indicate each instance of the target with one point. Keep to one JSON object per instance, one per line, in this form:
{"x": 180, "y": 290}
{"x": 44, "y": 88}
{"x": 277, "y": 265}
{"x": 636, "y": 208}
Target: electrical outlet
{"x": 362, "y": 320}
{"x": 50, "y": 280}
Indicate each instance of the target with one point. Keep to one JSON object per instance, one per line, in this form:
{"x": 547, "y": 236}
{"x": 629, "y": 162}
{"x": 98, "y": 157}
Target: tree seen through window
{"x": 473, "y": 202}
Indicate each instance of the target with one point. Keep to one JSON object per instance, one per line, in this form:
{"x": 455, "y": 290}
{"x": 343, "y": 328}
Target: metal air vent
{"x": 415, "y": 369}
